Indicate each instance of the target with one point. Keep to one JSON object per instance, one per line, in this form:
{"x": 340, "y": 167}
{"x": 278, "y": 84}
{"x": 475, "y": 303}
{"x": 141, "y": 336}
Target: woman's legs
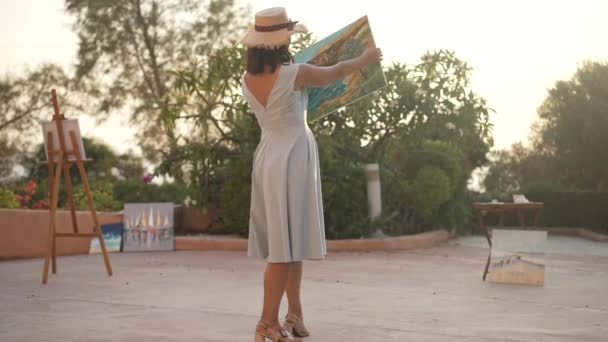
{"x": 292, "y": 289}
{"x": 275, "y": 281}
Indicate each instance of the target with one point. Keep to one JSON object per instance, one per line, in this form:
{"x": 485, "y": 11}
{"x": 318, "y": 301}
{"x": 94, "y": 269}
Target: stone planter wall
{"x": 24, "y": 232}
{"x": 235, "y": 243}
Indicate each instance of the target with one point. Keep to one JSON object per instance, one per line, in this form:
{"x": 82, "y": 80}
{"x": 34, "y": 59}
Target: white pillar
{"x": 374, "y": 197}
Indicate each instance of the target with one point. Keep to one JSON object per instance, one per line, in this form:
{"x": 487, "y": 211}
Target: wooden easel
{"x": 59, "y": 161}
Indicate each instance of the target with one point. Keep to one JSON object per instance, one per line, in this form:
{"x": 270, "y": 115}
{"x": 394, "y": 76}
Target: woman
{"x": 286, "y": 218}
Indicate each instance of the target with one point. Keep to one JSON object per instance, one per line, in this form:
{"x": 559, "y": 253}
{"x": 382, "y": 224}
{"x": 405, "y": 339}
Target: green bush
{"x": 584, "y": 209}
{"x": 236, "y": 196}
{"x": 139, "y": 192}
{"x": 544, "y": 186}
{"x": 424, "y": 189}
{"x": 573, "y": 209}
{"x": 344, "y": 197}
{"x": 442, "y": 155}
{"x": 8, "y": 199}
{"x": 344, "y": 188}
{"x": 30, "y": 195}
{"x": 103, "y": 197}
{"x": 431, "y": 188}
{"x": 426, "y": 129}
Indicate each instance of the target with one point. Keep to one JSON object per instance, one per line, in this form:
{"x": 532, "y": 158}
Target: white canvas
{"x": 520, "y": 199}
{"x": 519, "y": 241}
{"x": 68, "y": 125}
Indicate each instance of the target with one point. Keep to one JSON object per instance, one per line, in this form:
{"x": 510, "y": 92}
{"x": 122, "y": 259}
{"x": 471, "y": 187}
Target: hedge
{"x": 581, "y": 209}
{"x": 574, "y": 209}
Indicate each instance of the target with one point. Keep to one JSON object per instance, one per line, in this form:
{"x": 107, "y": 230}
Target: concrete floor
{"x": 424, "y": 295}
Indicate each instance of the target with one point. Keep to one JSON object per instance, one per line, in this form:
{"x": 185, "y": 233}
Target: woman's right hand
{"x": 371, "y": 55}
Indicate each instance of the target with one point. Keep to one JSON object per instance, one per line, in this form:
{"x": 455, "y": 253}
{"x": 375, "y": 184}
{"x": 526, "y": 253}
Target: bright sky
{"x": 518, "y": 48}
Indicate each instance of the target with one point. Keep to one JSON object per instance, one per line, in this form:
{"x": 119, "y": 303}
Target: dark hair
{"x": 258, "y": 58}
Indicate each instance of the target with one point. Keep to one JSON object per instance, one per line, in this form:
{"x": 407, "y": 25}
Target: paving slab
{"x": 422, "y": 295}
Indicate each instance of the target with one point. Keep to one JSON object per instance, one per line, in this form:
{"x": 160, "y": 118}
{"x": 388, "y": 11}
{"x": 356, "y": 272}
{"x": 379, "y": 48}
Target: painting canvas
{"x": 148, "y": 227}
{"x": 519, "y": 198}
{"x": 347, "y": 43}
{"x": 68, "y": 125}
{"x": 517, "y": 269}
{"x": 112, "y": 236}
{"x": 517, "y": 257}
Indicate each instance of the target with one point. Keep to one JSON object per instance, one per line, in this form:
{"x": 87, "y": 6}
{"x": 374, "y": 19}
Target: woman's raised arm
{"x": 315, "y": 76}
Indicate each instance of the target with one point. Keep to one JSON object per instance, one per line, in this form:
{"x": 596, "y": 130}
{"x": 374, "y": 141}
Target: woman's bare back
{"x": 261, "y": 85}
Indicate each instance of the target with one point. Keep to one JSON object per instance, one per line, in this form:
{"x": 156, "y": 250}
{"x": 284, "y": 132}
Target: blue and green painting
{"x": 347, "y": 43}
{"x": 112, "y": 236}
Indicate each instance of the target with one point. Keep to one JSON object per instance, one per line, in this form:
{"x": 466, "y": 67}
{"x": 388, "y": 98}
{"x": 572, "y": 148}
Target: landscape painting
{"x": 342, "y": 45}
{"x": 148, "y": 227}
{"x": 516, "y": 256}
{"x": 112, "y": 236}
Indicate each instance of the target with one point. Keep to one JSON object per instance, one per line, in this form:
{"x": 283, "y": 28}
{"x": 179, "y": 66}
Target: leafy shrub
{"x": 573, "y": 208}
{"x": 442, "y": 155}
{"x": 426, "y": 129}
{"x": 103, "y": 197}
{"x": 138, "y": 192}
{"x": 236, "y": 196}
{"x": 424, "y": 189}
{"x": 8, "y": 199}
{"x": 544, "y": 186}
{"x": 31, "y": 196}
{"x": 344, "y": 190}
{"x": 562, "y": 208}
{"x": 431, "y": 188}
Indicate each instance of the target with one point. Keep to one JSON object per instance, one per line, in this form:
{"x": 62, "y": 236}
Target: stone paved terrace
{"x": 423, "y": 295}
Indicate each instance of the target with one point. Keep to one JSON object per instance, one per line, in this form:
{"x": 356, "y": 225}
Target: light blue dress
{"x": 286, "y": 217}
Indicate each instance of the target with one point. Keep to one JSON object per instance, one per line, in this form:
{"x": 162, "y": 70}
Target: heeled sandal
{"x": 264, "y": 332}
{"x": 294, "y": 325}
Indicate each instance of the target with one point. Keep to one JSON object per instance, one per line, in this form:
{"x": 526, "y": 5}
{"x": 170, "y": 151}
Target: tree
{"x": 9, "y": 153}
{"x": 107, "y": 164}
{"x": 24, "y": 101}
{"x": 516, "y": 169}
{"x": 207, "y": 100}
{"x": 412, "y": 114}
{"x": 215, "y": 153}
{"x": 572, "y": 125}
{"x": 106, "y": 171}
{"x": 431, "y": 100}
{"x": 428, "y": 116}
{"x": 128, "y": 49}
{"x": 567, "y": 140}
{"x": 129, "y": 166}
{"x": 501, "y": 177}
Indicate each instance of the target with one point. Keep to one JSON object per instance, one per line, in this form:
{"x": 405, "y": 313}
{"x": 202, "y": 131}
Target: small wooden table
{"x": 502, "y": 208}
{"x": 518, "y": 209}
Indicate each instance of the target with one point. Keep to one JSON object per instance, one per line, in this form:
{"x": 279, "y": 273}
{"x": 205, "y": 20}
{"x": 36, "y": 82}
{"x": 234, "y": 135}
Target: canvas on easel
{"x": 64, "y": 148}
{"x": 68, "y": 125}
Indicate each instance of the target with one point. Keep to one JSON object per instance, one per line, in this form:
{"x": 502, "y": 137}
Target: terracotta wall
{"x": 24, "y": 232}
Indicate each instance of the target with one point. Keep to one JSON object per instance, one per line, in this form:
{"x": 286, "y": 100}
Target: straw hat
{"x": 272, "y": 29}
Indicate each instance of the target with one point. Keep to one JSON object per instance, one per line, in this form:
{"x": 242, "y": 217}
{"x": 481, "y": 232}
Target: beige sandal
{"x": 264, "y": 332}
{"x": 295, "y": 326}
